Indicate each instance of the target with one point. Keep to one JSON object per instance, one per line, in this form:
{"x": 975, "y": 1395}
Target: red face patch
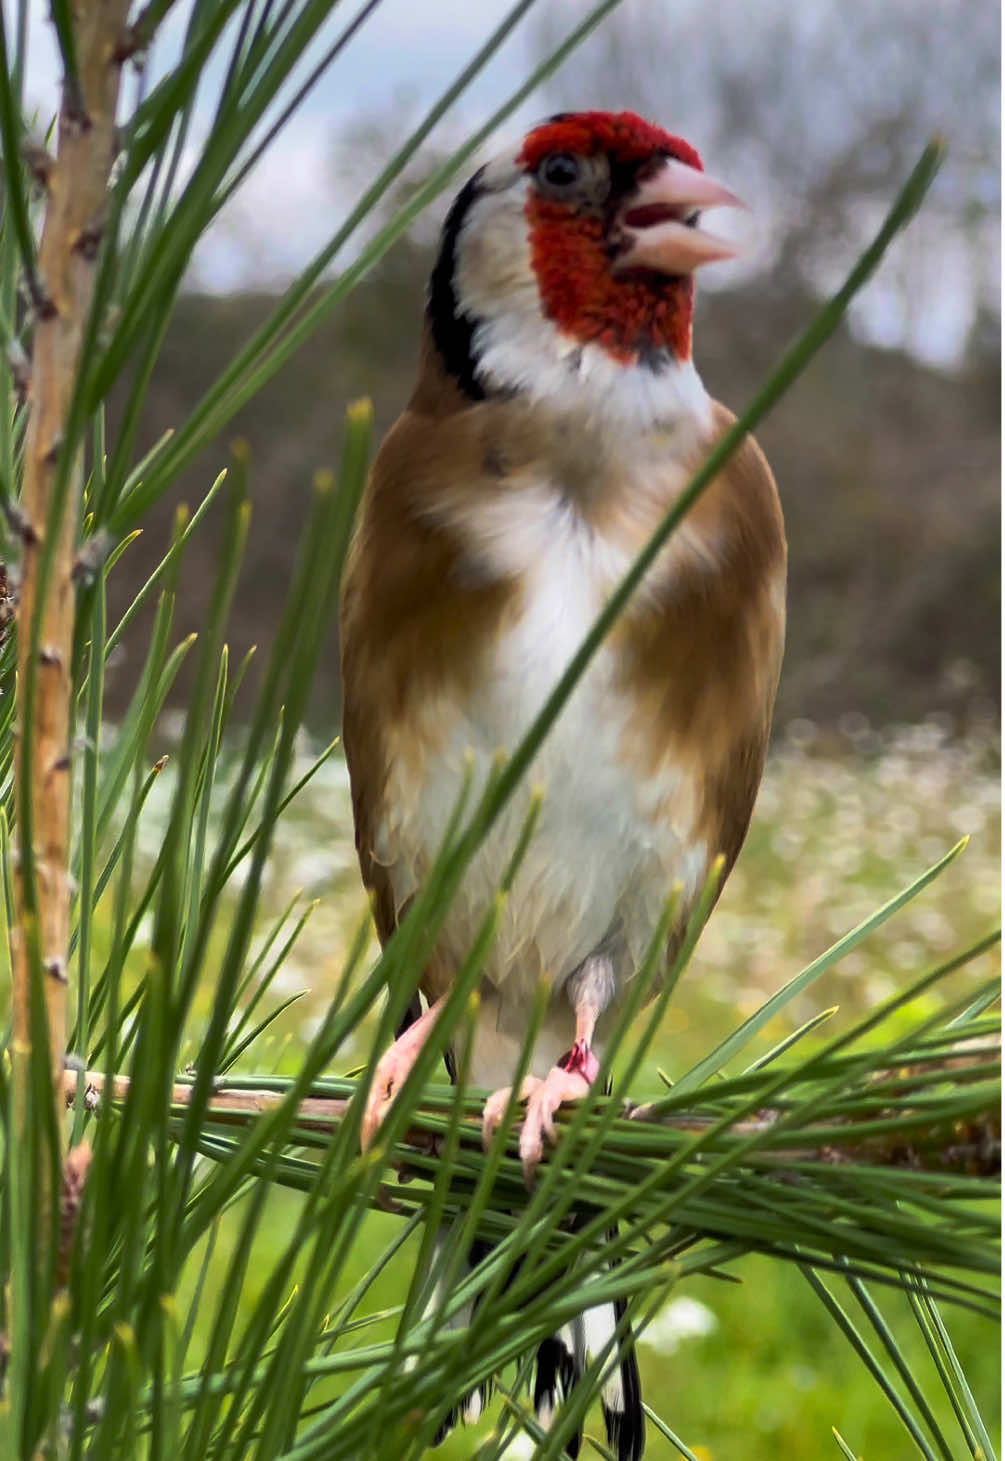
{"x": 628, "y": 314}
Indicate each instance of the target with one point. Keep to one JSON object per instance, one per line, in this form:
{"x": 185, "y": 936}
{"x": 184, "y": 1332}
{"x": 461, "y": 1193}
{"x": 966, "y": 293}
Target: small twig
{"x": 78, "y": 1159}
{"x": 318, "y": 1113}
{"x": 38, "y": 160}
{"x": 6, "y": 605}
{"x": 42, "y": 303}
{"x": 20, "y": 369}
{"x": 91, "y": 556}
{"x": 19, "y": 524}
{"x": 136, "y": 38}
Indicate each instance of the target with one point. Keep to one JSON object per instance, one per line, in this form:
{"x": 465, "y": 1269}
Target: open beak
{"x": 657, "y": 226}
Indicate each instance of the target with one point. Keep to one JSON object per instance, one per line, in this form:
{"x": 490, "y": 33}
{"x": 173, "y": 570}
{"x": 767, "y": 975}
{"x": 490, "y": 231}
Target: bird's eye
{"x": 559, "y": 169}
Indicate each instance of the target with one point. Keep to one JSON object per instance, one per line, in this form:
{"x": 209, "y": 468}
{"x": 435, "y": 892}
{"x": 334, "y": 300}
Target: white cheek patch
{"x": 492, "y": 268}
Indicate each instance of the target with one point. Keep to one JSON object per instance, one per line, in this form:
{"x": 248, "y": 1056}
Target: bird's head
{"x": 566, "y": 268}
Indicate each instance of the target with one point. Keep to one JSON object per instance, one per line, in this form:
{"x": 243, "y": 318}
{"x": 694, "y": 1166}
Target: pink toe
{"x": 388, "y": 1078}
{"x": 495, "y": 1106}
{"x": 531, "y": 1148}
{"x": 493, "y": 1113}
{"x": 373, "y": 1115}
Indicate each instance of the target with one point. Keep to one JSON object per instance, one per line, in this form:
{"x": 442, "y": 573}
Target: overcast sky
{"x": 404, "y": 56}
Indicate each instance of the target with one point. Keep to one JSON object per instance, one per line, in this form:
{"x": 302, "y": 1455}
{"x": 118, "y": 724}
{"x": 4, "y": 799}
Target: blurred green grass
{"x": 751, "y": 1371}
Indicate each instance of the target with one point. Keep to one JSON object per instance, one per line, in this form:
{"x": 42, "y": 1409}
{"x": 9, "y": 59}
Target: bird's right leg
{"x": 591, "y": 990}
{"x": 393, "y": 1069}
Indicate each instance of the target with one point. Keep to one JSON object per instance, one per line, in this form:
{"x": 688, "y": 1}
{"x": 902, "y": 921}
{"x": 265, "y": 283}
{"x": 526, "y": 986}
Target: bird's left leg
{"x": 591, "y": 990}
{"x": 392, "y": 1071}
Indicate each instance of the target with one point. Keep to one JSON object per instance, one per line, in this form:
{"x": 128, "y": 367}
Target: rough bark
{"x": 62, "y": 292}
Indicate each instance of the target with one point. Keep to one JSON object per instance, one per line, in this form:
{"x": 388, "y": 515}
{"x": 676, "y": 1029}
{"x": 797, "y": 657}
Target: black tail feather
{"x": 467, "y": 1413}
{"x": 561, "y": 1361}
{"x": 625, "y": 1422}
{"x": 556, "y": 1374}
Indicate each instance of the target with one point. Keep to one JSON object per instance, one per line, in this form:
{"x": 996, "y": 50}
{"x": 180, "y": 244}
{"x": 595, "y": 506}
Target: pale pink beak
{"x": 651, "y": 227}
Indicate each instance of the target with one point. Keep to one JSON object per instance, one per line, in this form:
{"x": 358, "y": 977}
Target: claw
{"x": 495, "y": 1107}
{"x": 558, "y": 1087}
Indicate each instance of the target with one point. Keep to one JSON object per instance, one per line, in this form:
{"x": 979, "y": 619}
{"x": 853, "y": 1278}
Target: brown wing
{"x": 703, "y": 660}
{"x": 412, "y": 617}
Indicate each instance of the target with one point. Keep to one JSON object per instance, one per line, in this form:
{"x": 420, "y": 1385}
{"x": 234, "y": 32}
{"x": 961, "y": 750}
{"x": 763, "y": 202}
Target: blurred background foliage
{"x": 886, "y": 452}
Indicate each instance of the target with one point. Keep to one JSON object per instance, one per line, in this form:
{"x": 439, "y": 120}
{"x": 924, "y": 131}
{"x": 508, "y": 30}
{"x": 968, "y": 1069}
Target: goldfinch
{"x": 557, "y": 417}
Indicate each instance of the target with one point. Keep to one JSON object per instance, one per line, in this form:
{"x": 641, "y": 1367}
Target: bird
{"x": 557, "y": 417}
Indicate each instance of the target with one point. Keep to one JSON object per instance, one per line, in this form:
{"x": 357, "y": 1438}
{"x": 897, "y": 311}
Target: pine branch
{"x": 60, "y": 286}
{"x": 943, "y": 1144}
{"x": 76, "y": 185}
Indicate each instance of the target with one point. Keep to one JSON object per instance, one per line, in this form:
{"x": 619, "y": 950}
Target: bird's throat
{"x": 639, "y": 317}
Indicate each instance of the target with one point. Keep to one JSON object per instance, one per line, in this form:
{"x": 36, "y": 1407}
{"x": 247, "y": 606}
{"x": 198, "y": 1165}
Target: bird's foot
{"x": 558, "y": 1087}
{"x": 390, "y": 1075}
{"x": 392, "y": 1071}
{"x": 570, "y": 1080}
{"x": 495, "y": 1106}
